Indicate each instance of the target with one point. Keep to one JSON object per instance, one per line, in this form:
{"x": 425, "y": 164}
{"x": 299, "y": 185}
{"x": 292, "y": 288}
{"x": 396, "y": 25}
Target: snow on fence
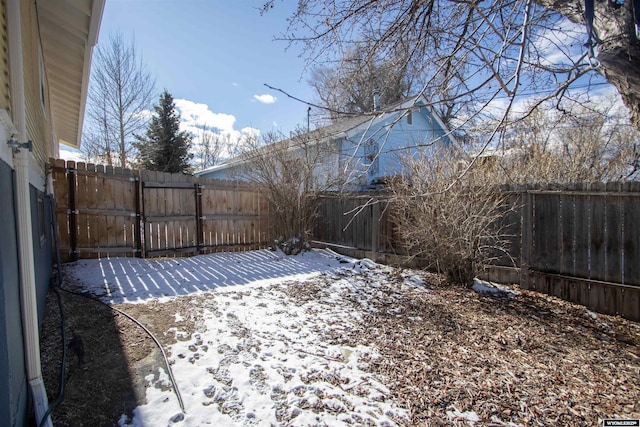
{"x": 580, "y": 242}
{"x": 106, "y": 211}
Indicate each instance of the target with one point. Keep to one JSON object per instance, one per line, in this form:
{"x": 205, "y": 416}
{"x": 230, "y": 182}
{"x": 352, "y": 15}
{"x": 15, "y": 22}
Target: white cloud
{"x": 194, "y": 117}
{"x": 560, "y": 47}
{"x": 266, "y": 98}
{"x": 193, "y": 113}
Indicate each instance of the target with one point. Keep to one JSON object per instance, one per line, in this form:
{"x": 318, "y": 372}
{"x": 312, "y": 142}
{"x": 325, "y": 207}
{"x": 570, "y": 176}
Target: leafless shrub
{"x": 452, "y": 222}
{"x": 289, "y": 173}
{"x": 586, "y": 145}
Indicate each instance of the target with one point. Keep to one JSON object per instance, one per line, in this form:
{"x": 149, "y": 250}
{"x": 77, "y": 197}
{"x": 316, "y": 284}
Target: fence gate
{"x": 96, "y": 210}
{"x": 171, "y": 218}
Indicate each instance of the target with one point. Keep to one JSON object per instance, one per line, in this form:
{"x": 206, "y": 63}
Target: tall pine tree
{"x": 165, "y": 148}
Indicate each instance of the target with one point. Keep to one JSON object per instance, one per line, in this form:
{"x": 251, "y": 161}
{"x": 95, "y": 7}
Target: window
{"x": 371, "y": 157}
{"x": 410, "y": 117}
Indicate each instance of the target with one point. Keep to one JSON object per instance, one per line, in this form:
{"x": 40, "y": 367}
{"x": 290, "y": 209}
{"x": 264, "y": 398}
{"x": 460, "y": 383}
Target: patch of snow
{"x": 483, "y": 287}
{"x": 453, "y": 413}
{"x": 135, "y": 280}
{"x": 256, "y": 356}
{"x": 591, "y": 314}
{"x": 414, "y": 281}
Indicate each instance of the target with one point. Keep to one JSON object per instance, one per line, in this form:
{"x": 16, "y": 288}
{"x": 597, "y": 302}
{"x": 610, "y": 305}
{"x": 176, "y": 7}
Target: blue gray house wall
{"x": 371, "y": 150}
{"x": 13, "y": 379}
{"x": 388, "y": 145}
{"x": 42, "y": 246}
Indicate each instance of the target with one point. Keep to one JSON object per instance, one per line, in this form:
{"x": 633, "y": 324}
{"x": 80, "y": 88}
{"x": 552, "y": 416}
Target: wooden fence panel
{"x": 170, "y": 223}
{"x": 99, "y": 211}
{"x": 100, "y": 216}
{"x": 354, "y": 221}
{"x": 631, "y": 241}
{"x": 233, "y": 217}
{"x": 546, "y": 234}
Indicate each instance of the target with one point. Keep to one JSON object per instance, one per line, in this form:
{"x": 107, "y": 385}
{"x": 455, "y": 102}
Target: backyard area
{"x": 258, "y": 338}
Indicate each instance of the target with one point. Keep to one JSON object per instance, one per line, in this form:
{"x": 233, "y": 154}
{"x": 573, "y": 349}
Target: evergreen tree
{"x": 165, "y": 148}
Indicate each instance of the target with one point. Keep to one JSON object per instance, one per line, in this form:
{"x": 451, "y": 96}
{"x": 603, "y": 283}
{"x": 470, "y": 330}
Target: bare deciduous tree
{"x": 478, "y": 53}
{"x": 120, "y": 95}
{"x": 209, "y": 147}
{"x": 348, "y": 87}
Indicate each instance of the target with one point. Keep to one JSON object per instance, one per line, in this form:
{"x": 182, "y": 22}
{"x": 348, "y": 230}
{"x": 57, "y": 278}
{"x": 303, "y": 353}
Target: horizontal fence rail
{"x": 106, "y": 211}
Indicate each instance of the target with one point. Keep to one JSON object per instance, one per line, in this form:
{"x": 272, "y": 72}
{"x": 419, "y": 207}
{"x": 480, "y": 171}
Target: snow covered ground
{"x": 255, "y": 358}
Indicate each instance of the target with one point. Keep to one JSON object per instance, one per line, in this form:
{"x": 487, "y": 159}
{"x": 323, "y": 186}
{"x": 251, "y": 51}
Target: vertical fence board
{"x": 597, "y": 207}
{"x": 567, "y": 237}
{"x": 613, "y": 244}
{"x": 582, "y": 220}
{"x": 546, "y": 226}
{"x": 632, "y": 239}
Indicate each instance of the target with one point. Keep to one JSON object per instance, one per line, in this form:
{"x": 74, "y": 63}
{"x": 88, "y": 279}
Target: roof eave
{"x": 62, "y": 47}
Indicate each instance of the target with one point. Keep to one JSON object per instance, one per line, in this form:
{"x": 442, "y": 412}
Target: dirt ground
{"x": 532, "y": 360}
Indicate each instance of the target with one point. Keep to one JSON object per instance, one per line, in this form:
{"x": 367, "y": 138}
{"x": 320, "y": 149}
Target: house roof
{"x": 69, "y": 30}
{"x": 345, "y": 127}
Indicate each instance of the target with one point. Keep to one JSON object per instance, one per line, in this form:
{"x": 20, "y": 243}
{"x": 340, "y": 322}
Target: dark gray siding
{"x": 41, "y": 226}
{"x": 13, "y": 383}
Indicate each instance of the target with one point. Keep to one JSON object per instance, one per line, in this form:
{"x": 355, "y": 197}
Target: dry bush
{"x": 449, "y": 219}
{"x": 289, "y": 173}
{"x": 592, "y": 144}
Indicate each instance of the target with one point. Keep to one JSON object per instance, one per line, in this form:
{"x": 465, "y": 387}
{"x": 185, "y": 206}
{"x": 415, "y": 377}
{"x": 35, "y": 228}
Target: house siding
{"x": 42, "y": 246}
{"x": 13, "y": 380}
{"x": 38, "y": 127}
{"x": 5, "y": 101}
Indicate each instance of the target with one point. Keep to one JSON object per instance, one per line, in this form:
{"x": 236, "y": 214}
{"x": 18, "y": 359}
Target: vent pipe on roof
{"x": 376, "y": 100}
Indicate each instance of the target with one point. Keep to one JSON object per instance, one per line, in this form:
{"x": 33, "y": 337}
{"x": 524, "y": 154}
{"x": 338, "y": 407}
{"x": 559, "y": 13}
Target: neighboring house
{"x": 45, "y": 57}
{"x": 364, "y": 150}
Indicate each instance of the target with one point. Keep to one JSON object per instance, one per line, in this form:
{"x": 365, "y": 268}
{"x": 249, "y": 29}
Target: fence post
{"x": 199, "y": 226}
{"x": 375, "y": 229}
{"x": 138, "y": 227}
{"x": 143, "y": 218}
{"x": 73, "y": 227}
{"x": 525, "y": 244}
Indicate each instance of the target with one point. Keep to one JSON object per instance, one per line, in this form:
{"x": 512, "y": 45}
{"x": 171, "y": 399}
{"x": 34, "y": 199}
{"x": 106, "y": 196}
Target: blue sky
{"x": 214, "y": 57}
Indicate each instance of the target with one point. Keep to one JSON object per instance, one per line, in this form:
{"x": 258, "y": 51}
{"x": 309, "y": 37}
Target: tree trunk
{"x": 618, "y": 49}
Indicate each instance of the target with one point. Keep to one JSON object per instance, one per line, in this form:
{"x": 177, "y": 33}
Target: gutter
{"x": 28, "y": 304}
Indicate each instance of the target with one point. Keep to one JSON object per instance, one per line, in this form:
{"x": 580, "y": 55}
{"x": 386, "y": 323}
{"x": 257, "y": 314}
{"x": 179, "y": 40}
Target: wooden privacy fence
{"x": 580, "y": 242}
{"x": 105, "y": 211}
{"x": 354, "y": 221}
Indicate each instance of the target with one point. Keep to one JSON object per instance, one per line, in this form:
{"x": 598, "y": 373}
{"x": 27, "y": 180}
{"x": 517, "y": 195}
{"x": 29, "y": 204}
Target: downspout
{"x": 23, "y": 218}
